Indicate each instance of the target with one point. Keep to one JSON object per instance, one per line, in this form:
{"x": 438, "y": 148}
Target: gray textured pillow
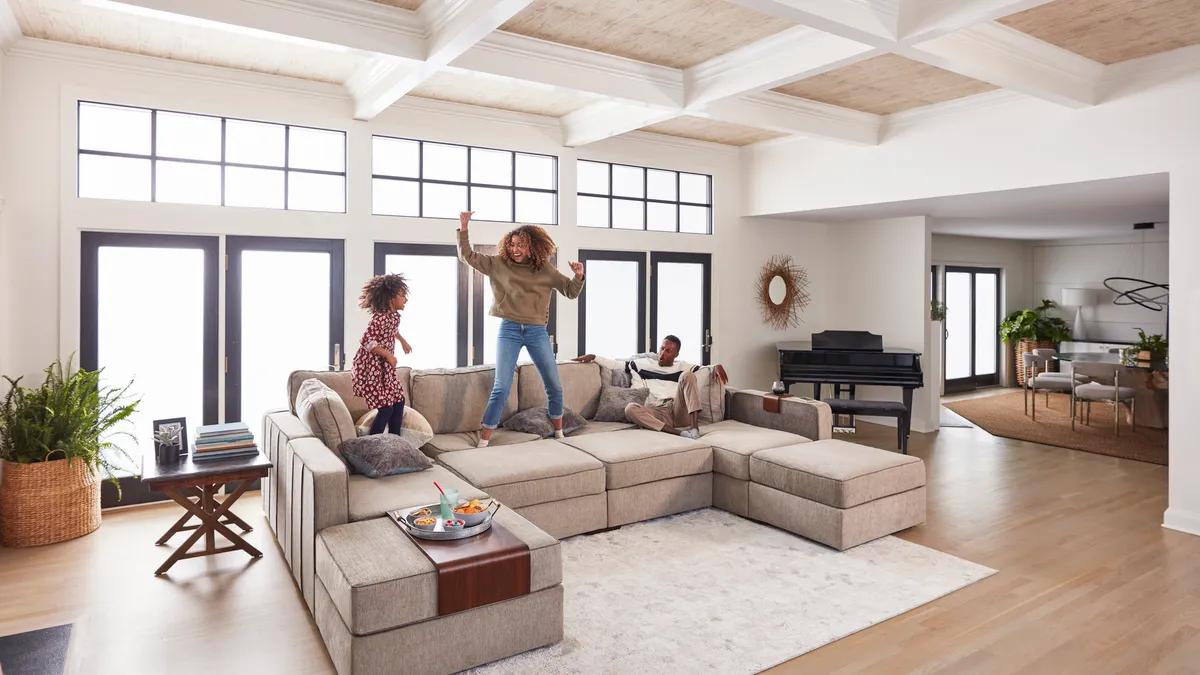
{"x": 537, "y": 421}
{"x": 324, "y": 413}
{"x": 614, "y": 399}
{"x": 383, "y": 455}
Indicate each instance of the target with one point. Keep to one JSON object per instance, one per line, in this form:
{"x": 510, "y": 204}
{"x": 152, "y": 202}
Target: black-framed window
{"x": 681, "y": 303}
{"x": 971, "y": 343}
{"x": 437, "y": 303}
{"x": 625, "y": 197}
{"x": 485, "y": 326}
{"x": 612, "y": 307}
{"x": 150, "y": 155}
{"x": 284, "y": 311}
{"x": 148, "y": 315}
{"x": 423, "y": 179}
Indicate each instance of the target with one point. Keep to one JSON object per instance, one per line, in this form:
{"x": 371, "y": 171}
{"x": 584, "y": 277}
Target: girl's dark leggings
{"x": 388, "y": 416}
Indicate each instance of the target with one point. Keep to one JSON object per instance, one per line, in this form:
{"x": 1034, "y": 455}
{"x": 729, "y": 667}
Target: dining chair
{"x": 1048, "y": 382}
{"x": 1091, "y": 392}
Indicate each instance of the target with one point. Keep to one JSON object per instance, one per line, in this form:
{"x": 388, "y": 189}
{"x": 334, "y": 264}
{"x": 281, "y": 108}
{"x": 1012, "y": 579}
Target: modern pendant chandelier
{"x": 1130, "y": 291}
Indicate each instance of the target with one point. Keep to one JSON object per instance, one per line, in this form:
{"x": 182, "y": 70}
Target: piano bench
{"x": 856, "y": 407}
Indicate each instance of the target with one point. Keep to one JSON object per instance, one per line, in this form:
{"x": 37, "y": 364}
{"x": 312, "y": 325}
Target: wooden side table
{"x": 214, "y": 515}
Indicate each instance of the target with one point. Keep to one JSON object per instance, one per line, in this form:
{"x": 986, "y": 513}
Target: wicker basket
{"x": 47, "y": 502}
{"x": 1027, "y": 346}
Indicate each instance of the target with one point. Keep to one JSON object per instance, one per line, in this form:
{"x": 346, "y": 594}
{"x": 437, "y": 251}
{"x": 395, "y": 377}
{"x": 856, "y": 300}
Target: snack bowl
{"x": 452, "y": 525}
{"x": 473, "y": 519}
{"x": 423, "y": 522}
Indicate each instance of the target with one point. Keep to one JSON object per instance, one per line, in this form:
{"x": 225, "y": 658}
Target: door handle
{"x": 337, "y": 358}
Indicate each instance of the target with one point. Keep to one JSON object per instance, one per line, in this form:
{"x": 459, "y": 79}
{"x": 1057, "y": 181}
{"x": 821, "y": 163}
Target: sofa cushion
{"x": 343, "y": 383}
{"x": 712, "y": 395}
{"x": 580, "y": 383}
{"x": 536, "y": 421}
{"x": 529, "y": 473}
{"x": 596, "y": 427}
{"x": 453, "y": 400}
{"x": 378, "y": 455}
{"x": 378, "y": 579}
{"x": 837, "y": 473}
{"x": 641, "y": 456}
{"x": 733, "y": 442}
{"x": 325, "y": 414}
{"x": 373, "y": 497}
{"x": 468, "y": 440}
{"x": 614, "y": 399}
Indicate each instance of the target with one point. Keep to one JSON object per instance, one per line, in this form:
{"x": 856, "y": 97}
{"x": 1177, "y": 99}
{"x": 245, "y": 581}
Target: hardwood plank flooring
{"x": 1089, "y": 581}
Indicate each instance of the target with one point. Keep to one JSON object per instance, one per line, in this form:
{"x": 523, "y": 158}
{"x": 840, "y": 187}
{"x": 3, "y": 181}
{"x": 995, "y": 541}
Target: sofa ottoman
{"x": 733, "y": 443}
{"x": 559, "y": 488}
{"x": 377, "y": 603}
{"x": 837, "y": 493}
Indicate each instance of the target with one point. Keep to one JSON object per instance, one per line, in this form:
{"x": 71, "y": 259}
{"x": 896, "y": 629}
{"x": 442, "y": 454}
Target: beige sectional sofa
{"x": 776, "y": 467}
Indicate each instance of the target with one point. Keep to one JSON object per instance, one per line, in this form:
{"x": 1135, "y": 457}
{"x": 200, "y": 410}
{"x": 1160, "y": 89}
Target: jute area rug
{"x": 709, "y": 592}
{"x": 1004, "y": 415}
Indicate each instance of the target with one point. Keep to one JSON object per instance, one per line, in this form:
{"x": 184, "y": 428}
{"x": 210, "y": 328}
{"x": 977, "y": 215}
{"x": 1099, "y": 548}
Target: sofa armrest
{"x": 805, "y": 417}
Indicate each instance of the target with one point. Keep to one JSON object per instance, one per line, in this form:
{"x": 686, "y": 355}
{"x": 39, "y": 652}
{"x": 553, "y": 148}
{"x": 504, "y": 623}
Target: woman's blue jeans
{"x": 536, "y": 340}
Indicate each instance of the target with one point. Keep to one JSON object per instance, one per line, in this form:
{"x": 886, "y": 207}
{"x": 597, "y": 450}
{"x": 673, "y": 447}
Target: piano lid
{"x": 843, "y": 340}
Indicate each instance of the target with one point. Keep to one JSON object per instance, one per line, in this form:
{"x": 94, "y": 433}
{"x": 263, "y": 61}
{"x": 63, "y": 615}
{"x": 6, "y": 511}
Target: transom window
{"x": 640, "y": 198}
{"x": 422, "y": 179}
{"x": 142, "y": 154}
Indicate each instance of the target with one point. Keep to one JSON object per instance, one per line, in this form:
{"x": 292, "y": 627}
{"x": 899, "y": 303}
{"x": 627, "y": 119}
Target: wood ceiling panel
{"x": 489, "y": 92}
{"x": 884, "y": 85}
{"x": 76, "y": 23}
{"x": 402, "y": 4}
{"x": 1111, "y": 31}
{"x": 673, "y": 33}
{"x": 713, "y": 131}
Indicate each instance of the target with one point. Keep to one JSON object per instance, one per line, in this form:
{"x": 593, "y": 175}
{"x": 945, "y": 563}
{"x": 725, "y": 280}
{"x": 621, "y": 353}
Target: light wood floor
{"x": 1089, "y": 582}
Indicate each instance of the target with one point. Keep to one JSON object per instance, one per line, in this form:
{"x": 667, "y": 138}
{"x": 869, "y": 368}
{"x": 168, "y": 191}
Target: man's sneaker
{"x": 693, "y": 434}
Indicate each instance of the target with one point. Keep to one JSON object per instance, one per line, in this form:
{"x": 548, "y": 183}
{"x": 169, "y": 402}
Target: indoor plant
{"x": 1148, "y": 347}
{"x": 1032, "y": 329}
{"x": 56, "y": 442}
{"x": 937, "y": 310}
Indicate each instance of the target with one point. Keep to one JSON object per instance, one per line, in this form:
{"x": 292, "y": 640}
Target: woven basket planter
{"x": 47, "y": 502}
{"x": 1027, "y": 346}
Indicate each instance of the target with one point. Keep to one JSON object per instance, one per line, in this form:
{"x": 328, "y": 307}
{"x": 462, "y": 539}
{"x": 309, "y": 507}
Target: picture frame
{"x": 167, "y": 454}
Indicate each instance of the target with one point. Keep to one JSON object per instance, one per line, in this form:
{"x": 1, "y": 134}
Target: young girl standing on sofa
{"x": 374, "y": 367}
{"x": 522, "y": 281}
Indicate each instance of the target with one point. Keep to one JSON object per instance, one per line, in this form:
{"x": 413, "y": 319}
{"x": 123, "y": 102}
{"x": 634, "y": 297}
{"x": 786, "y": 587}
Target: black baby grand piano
{"x": 846, "y": 358}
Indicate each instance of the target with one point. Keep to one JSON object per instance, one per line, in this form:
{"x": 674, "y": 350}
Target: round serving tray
{"x": 438, "y": 534}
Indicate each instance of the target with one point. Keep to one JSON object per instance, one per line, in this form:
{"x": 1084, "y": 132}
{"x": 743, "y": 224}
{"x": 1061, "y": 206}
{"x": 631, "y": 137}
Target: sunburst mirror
{"x": 782, "y": 291}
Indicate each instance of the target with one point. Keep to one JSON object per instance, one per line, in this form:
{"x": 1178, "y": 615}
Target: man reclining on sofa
{"x": 673, "y": 402}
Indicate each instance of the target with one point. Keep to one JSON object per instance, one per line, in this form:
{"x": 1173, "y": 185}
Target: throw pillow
{"x": 537, "y": 421}
{"x": 413, "y": 426}
{"x": 614, "y": 399}
{"x": 621, "y": 376}
{"x": 324, "y": 413}
{"x": 378, "y": 455}
{"x": 712, "y": 395}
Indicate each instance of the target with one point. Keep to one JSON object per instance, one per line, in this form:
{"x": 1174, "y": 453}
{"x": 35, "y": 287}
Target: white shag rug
{"x": 710, "y": 592}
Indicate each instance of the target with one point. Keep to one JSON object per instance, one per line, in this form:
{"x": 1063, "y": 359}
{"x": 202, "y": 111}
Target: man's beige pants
{"x": 681, "y": 412}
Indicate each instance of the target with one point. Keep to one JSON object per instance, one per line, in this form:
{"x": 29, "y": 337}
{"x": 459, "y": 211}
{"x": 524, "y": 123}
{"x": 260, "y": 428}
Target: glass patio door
{"x": 972, "y": 349}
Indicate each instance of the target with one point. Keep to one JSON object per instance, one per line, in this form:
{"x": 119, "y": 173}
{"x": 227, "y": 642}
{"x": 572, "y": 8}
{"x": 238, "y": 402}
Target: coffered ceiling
{"x": 734, "y": 72}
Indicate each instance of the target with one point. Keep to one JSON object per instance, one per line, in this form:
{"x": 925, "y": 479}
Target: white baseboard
{"x": 1182, "y": 521}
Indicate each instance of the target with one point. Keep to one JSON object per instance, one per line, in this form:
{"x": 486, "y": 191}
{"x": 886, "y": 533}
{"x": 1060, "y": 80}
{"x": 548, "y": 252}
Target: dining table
{"x": 1150, "y": 380}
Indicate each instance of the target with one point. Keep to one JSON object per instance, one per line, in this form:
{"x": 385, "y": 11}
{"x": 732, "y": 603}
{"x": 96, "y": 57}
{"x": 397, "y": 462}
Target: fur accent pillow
{"x": 324, "y": 413}
{"x": 614, "y": 399}
{"x": 413, "y": 426}
{"x": 377, "y": 455}
{"x": 537, "y": 421}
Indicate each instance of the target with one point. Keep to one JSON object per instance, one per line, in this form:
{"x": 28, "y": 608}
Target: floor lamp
{"x": 1078, "y": 298}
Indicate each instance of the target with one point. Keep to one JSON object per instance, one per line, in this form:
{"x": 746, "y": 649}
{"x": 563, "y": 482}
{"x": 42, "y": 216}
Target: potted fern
{"x": 56, "y": 444}
{"x": 1148, "y": 347}
{"x": 1033, "y": 329}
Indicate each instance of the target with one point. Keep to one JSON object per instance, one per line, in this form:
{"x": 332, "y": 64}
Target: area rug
{"x": 709, "y": 592}
{"x": 36, "y": 652}
{"x": 1004, "y": 415}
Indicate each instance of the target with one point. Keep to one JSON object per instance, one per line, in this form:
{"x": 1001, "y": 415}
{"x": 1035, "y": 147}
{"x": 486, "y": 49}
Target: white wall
{"x": 879, "y": 279}
{"x": 1019, "y": 143}
{"x": 6, "y": 243}
{"x": 44, "y": 81}
{"x": 1086, "y": 264}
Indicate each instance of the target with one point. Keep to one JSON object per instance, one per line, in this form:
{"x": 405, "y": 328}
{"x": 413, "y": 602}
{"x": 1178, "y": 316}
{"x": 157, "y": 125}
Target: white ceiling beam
{"x": 1013, "y": 60}
{"x": 452, "y": 27}
{"x": 791, "y": 115}
{"x": 10, "y": 30}
{"x": 605, "y": 119}
{"x": 922, "y": 20}
{"x": 791, "y": 55}
{"x": 871, "y": 22}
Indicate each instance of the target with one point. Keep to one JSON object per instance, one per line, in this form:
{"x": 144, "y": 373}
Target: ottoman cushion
{"x": 378, "y": 579}
{"x": 528, "y": 473}
{"x": 469, "y": 440}
{"x": 836, "y": 473}
{"x": 637, "y": 456}
{"x": 373, "y": 497}
{"x": 734, "y": 442}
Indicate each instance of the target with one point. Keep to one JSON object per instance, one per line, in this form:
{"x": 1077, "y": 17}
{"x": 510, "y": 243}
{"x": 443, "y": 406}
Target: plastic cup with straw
{"x": 448, "y": 502}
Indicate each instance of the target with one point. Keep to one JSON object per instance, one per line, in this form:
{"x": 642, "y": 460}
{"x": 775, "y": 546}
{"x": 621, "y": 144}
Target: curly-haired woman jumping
{"x": 522, "y": 280}
{"x": 374, "y": 367}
